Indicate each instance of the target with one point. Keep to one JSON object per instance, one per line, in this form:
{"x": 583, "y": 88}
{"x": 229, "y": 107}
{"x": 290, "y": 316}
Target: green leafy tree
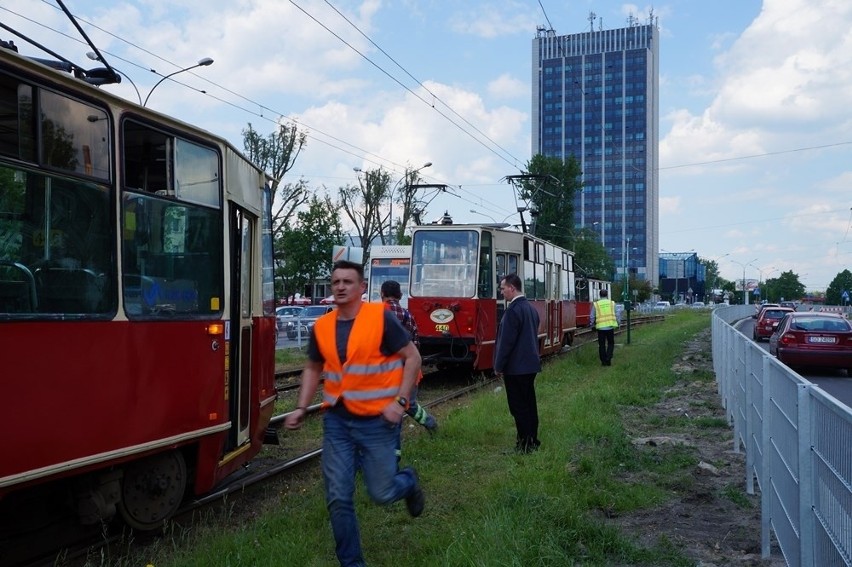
{"x": 786, "y": 287}
{"x": 550, "y": 191}
{"x": 834, "y": 293}
{"x": 639, "y": 290}
{"x": 363, "y": 205}
{"x": 276, "y": 154}
{"x": 590, "y": 257}
{"x": 306, "y": 247}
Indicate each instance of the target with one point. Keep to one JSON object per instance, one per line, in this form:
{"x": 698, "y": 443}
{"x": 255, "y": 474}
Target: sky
{"x": 755, "y": 137}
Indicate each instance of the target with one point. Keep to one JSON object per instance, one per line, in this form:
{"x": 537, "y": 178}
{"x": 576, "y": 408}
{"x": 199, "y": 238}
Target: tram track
{"x": 276, "y": 461}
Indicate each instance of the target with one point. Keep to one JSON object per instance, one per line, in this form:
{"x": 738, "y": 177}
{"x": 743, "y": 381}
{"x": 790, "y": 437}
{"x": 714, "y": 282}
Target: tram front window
{"x": 445, "y": 263}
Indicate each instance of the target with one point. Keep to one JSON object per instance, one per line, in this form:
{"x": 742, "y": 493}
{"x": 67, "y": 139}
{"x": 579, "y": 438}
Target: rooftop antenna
{"x": 592, "y": 17}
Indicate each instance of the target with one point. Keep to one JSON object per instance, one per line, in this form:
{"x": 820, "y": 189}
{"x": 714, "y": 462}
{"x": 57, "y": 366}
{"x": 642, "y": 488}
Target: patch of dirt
{"x": 710, "y": 517}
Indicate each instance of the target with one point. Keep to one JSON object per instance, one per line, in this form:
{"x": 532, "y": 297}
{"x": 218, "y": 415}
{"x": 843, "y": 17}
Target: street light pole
{"x": 405, "y": 177}
{"x": 745, "y": 293}
{"x": 626, "y": 293}
{"x": 201, "y": 63}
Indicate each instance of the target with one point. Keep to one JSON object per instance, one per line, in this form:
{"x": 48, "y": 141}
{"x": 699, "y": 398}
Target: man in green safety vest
{"x": 605, "y": 319}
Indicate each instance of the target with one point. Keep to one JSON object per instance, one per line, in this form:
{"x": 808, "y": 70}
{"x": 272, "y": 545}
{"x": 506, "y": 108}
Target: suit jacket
{"x": 516, "y": 351}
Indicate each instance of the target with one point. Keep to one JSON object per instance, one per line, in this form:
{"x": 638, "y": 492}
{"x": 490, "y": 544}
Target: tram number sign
{"x": 442, "y": 328}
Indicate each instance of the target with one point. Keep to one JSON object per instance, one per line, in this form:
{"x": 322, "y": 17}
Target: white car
{"x": 662, "y": 306}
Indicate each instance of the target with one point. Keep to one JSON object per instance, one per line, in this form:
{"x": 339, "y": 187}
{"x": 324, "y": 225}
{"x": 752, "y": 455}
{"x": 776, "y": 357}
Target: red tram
{"x": 137, "y": 320}
{"x": 589, "y": 291}
{"x": 455, "y": 297}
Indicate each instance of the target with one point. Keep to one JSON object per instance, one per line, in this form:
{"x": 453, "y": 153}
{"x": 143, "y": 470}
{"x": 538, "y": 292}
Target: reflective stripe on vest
{"x": 605, "y": 314}
{"x": 369, "y": 380}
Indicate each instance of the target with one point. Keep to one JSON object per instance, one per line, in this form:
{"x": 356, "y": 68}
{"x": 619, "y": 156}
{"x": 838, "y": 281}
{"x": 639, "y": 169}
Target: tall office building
{"x": 596, "y": 97}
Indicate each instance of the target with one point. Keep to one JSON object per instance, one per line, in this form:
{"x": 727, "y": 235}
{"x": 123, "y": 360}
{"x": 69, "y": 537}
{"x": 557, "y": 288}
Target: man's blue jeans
{"x": 376, "y": 441}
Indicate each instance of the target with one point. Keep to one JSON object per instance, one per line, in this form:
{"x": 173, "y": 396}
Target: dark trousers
{"x": 606, "y": 344}
{"x": 520, "y": 393}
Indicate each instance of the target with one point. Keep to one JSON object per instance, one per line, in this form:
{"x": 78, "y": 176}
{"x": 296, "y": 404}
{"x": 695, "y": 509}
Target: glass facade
{"x": 595, "y": 98}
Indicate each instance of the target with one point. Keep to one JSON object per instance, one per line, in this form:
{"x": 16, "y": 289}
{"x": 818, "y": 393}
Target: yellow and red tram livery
{"x": 137, "y": 316}
{"x": 455, "y": 297}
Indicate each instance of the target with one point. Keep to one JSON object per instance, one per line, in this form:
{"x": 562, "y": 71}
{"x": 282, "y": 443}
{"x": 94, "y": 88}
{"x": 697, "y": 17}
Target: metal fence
{"x": 798, "y": 442}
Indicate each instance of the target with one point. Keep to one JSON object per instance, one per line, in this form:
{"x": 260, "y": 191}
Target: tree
{"x": 362, "y": 203}
{"x": 642, "y": 289}
{"x": 276, "y": 154}
{"x": 590, "y": 257}
{"x": 834, "y": 293}
{"x": 785, "y": 287}
{"x": 305, "y": 248}
{"x": 409, "y": 202}
{"x": 550, "y": 194}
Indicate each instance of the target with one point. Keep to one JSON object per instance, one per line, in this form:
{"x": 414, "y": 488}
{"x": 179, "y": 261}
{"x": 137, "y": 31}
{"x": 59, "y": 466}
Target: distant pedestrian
{"x": 391, "y": 293}
{"x": 605, "y": 318}
{"x": 517, "y": 360}
{"x": 370, "y": 367}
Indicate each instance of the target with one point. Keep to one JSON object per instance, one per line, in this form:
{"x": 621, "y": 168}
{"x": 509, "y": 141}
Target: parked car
{"x": 303, "y": 324}
{"x": 813, "y": 339}
{"x": 662, "y": 305}
{"x": 767, "y": 322}
{"x": 698, "y": 305}
{"x": 284, "y": 314}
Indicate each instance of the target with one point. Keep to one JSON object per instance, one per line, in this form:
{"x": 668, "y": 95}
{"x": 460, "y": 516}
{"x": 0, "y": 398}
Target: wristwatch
{"x": 402, "y": 401}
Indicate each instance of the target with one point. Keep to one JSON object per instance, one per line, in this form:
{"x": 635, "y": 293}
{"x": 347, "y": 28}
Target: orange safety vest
{"x": 605, "y": 314}
{"x": 369, "y": 380}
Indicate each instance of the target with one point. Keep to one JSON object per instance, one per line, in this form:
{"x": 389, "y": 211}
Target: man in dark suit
{"x": 517, "y": 361}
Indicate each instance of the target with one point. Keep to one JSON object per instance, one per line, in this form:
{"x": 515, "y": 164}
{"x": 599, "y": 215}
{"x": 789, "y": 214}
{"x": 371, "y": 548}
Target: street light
{"x": 405, "y": 176}
{"x": 474, "y": 211}
{"x": 206, "y": 62}
{"x": 760, "y": 275}
{"x": 745, "y": 295}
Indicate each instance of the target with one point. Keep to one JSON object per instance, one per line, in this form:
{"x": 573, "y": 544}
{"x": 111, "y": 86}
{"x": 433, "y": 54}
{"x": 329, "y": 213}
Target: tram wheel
{"x": 152, "y": 490}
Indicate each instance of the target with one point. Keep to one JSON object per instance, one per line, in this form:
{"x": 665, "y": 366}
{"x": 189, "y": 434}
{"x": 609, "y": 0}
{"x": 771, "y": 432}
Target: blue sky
{"x": 755, "y": 137}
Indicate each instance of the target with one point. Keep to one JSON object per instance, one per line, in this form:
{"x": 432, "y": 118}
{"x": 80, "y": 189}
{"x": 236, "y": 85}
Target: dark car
{"x": 813, "y": 339}
{"x": 758, "y": 307}
{"x": 302, "y": 325}
{"x": 767, "y": 321}
{"x": 286, "y": 313}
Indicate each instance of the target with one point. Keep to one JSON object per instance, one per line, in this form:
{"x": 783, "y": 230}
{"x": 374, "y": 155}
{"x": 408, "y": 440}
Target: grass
{"x": 484, "y": 507}
{"x": 290, "y": 357}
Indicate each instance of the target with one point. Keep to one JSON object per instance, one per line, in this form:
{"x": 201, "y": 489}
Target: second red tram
{"x": 589, "y": 291}
{"x": 455, "y": 296}
{"x": 137, "y": 317}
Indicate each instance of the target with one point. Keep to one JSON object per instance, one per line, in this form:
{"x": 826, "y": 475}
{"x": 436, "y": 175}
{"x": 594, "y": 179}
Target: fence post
{"x": 806, "y": 477}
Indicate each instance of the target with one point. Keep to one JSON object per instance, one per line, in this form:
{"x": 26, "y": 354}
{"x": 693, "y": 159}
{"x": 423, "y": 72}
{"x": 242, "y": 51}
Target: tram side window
{"x": 55, "y": 247}
{"x": 486, "y": 278}
{"x": 172, "y": 258}
{"x": 171, "y": 225}
{"x": 74, "y": 136}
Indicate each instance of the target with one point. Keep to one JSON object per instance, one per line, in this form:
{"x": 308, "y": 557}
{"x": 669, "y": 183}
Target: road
{"x": 833, "y": 382}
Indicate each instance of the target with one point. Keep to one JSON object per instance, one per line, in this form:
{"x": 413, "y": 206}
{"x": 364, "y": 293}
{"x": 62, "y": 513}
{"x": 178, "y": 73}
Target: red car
{"x": 767, "y": 322}
{"x": 813, "y": 339}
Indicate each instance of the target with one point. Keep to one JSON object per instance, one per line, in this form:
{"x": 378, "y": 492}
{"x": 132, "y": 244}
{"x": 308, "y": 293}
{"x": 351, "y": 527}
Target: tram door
{"x": 243, "y": 226}
{"x": 554, "y": 305}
